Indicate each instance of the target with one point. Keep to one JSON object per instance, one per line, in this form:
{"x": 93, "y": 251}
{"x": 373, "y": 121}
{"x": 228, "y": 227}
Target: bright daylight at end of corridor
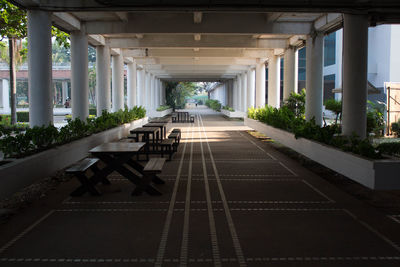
{"x": 204, "y": 133}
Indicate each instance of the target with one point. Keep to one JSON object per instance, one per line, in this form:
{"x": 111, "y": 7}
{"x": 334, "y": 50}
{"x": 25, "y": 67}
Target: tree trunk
{"x": 13, "y": 81}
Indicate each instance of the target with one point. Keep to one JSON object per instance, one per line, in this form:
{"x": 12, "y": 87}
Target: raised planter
{"x": 233, "y": 114}
{"x": 160, "y": 114}
{"x": 25, "y": 171}
{"x": 375, "y": 174}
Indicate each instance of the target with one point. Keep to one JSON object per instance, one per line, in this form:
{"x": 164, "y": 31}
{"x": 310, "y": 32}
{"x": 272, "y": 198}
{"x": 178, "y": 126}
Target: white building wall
{"x": 379, "y": 54}
{"x": 395, "y": 53}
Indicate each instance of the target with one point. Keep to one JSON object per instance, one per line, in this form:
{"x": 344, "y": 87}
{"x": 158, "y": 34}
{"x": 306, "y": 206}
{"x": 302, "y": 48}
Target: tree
{"x": 334, "y": 106}
{"x": 13, "y": 26}
{"x": 176, "y": 92}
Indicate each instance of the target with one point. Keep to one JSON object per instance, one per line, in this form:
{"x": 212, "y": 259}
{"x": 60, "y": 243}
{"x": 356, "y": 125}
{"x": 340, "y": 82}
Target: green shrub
{"x": 334, "y": 106}
{"x": 285, "y": 119}
{"x": 162, "y": 108}
{"x": 228, "y": 108}
{"x": 375, "y": 119}
{"x": 213, "y": 104}
{"x": 395, "y": 128}
{"x": 93, "y": 111}
{"x": 297, "y": 103}
{"x": 390, "y": 148}
{"x": 40, "y": 138}
{"x": 23, "y": 116}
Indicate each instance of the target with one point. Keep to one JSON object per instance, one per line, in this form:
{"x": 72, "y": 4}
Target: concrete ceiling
{"x": 205, "y": 40}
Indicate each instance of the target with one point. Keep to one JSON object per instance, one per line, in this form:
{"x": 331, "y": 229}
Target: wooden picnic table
{"x": 146, "y": 132}
{"x": 161, "y": 125}
{"x": 115, "y": 156}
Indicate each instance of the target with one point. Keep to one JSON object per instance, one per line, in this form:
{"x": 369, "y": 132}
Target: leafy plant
{"x": 334, "y": 106}
{"x": 228, "y": 108}
{"x": 395, "y": 128}
{"x": 297, "y": 103}
{"x": 40, "y": 138}
{"x": 162, "y": 108}
{"x": 375, "y": 119}
{"x": 213, "y": 104}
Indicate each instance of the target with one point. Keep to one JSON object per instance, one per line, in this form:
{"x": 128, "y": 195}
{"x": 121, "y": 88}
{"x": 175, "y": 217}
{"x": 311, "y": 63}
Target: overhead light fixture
{"x": 196, "y": 49}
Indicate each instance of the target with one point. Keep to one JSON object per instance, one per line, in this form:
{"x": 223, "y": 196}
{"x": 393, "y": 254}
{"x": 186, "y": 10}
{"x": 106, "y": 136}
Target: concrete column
{"x": 159, "y": 92}
{"x": 64, "y": 88}
{"x": 314, "y": 77}
{"x": 243, "y": 97}
{"x": 117, "y": 83}
{"x": 230, "y": 92}
{"x": 355, "y": 57}
{"x": 251, "y": 83}
{"x": 290, "y": 72}
{"x": 6, "y": 96}
{"x": 131, "y": 85}
{"x": 260, "y": 84}
{"x": 79, "y": 76}
{"x": 238, "y": 92}
{"x": 40, "y": 72}
{"x": 103, "y": 90}
{"x": 147, "y": 92}
{"x": 140, "y": 86}
{"x": 152, "y": 93}
{"x": 274, "y": 81}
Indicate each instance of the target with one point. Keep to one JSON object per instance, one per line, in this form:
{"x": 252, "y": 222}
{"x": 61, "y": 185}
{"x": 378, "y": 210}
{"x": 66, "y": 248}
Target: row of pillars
{"x": 248, "y": 88}
{"x": 143, "y": 88}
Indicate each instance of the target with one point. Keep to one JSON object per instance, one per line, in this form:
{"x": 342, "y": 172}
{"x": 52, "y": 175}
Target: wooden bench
{"x": 176, "y": 130}
{"x": 151, "y": 169}
{"x": 87, "y": 184}
{"x": 176, "y": 136}
{"x": 168, "y": 145}
{"x": 174, "y": 117}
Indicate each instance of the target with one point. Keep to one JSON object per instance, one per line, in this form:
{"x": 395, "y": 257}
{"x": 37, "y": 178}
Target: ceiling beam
{"x": 191, "y": 52}
{"x": 187, "y": 41}
{"x": 66, "y": 21}
{"x": 196, "y": 61}
{"x": 215, "y": 23}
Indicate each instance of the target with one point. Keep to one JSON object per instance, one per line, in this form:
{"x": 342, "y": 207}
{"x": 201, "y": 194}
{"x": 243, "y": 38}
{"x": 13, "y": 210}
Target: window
{"x": 330, "y": 49}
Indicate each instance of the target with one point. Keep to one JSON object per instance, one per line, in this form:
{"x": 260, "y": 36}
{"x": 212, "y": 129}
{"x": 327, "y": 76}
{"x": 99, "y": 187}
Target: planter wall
{"x": 375, "y": 174}
{"x": 25, "y": 171}
{"x": 233, "y": 114}
{"x": 160, "y": 114}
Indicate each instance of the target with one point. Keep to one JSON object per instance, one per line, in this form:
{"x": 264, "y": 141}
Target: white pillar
{"x": 79, "y": 76}
{"x": 131, "y": 85}
{"x": 64, "y": 89}
{"x": 160, "y": 93}
{"x": 103, "y": 90}
{"x": 260, "y": 84}
{"x": 140, "y": 86}
{"x": 152, "y": 93}
{"x": 251, "y": 83}
{"x": 314, "y": 77}
{"x": 117, "y": 83}
{"x": 236, "y": 89}
{"x": 243, "y": 97}
{"x": 40, "y": 72}
{"x": 148, "y": 92}
{"x": 274, "y": 81}
{"x": 290, "y": 72}
{"x": 6, "y": 96}
{"x": 355, "y": 57}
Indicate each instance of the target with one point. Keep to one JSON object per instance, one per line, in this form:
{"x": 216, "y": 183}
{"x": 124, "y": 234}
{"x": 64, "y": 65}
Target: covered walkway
{"x": 229, "y": 200}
